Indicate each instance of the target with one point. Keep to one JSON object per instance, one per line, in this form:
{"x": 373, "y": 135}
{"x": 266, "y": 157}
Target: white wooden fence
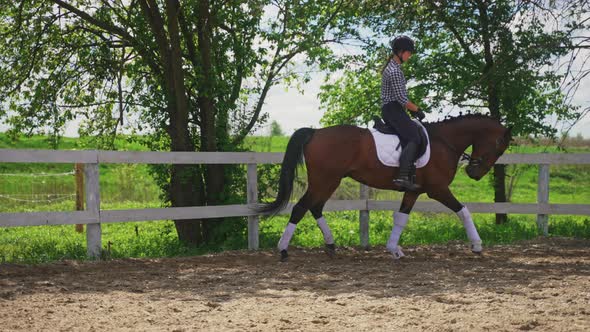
{"x": 93, "y": 216}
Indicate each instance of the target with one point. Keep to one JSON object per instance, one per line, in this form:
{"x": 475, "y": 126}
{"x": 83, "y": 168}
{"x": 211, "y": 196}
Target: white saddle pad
{"x": 388, "y": 151}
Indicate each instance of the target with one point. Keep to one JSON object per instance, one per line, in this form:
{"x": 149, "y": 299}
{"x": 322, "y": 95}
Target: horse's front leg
{"x": 400, "y": 220}
{"x": 448, "y": 199}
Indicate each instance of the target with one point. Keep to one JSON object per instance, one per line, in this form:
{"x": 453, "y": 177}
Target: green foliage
{"x": 192, "y": 78}
{"x": 102, "y": 64}
{"x": 275, "y": 129}
{"x": 471, "y": 54}
{"x": 353, "y": 98}
{"x": 266, "y": 143}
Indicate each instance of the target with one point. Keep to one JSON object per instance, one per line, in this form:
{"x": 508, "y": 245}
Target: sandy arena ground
{"x": 541, "y": 285}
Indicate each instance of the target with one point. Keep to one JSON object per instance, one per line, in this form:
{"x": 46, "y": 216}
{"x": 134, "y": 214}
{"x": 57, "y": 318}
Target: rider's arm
{"x": 398, "y": 89}
{"x": 394, "y": 85}
{"x": 411, "y": 106}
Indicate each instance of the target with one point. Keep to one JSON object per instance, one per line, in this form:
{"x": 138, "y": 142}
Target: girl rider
{"x": 394, "y": 100}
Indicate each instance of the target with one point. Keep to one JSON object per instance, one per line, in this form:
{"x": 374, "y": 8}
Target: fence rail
{"x": 141, "y": 157}
{"x": 93, "y": 216}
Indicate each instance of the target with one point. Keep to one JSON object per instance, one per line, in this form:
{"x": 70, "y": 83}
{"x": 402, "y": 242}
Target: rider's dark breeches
{"x": 394, "y": 115}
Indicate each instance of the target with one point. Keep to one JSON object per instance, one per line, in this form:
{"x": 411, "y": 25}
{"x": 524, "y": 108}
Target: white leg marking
{"x": 470, "y": 229}
{"x": 287, "y": 235}
{"x": 400, "y": 220}
{"x": 323, "y": 225}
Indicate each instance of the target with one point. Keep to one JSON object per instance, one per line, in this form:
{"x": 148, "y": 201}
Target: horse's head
{"x": 487, "y": 148}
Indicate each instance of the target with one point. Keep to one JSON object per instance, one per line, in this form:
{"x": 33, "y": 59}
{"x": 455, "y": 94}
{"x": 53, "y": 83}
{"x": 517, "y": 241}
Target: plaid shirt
{"x": 393, "y": 85}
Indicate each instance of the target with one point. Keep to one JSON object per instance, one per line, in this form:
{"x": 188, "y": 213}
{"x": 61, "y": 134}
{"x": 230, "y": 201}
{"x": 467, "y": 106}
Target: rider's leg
{"x": 407, "y": 169}
{"x": 395, "y": 116}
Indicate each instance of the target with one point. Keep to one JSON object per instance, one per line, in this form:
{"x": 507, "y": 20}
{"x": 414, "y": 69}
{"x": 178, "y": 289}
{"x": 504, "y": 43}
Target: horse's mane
{"x": 452, "y": 119}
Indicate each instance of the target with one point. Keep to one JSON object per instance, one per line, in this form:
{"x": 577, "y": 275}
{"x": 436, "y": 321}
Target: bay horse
{"x": 334, "y": 153}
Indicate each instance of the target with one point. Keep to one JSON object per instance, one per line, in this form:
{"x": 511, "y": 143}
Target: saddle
{"x": 383, "y": 128}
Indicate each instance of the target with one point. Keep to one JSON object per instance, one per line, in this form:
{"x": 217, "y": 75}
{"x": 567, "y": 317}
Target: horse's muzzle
{"x": 473, "y": 172}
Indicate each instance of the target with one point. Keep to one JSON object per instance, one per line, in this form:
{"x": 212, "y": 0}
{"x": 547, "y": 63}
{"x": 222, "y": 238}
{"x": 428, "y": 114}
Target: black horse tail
{"x": 293, "y": 158}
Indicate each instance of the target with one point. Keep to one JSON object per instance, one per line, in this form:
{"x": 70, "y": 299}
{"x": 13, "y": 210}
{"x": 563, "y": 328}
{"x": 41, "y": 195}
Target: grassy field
{"x": 51, "y": 187}
{"x": 131, "y": 186}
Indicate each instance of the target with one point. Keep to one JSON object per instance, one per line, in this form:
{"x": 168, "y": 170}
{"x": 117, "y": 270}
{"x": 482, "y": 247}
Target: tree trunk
{"x": 499, "y": 169}
{"x": 214, "y": 174}
{"x": 500, "y": 190}
{"x": 493, "y": 104}
{"x": 185, "y": 180}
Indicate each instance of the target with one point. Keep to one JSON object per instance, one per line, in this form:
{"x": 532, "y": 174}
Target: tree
{"x": 489, "y": 56}
{"x": 191, "y": 75}
{"x": 275, "y": 129}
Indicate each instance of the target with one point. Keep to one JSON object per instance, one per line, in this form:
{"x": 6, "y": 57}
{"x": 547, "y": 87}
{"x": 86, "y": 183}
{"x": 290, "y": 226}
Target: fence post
{"x": 79, "y": 193}
{"x": 543, "y": 198}
{"x": 364, "y": 218}
{"x": 93, "y": 231}
{"x": 252, "y": 197}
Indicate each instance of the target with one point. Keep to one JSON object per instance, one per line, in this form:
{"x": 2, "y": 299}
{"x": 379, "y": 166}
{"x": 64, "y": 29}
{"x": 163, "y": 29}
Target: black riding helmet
{"x": 402, "y": 43}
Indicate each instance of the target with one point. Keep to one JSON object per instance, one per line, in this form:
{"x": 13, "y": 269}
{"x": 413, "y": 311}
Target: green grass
{"x": 423, "y": 228}
{"x": 131, "y": 186}
{"x": 118, "y": 182}
{"x": 266, "y": 144}
{"x": 41, "y": 244}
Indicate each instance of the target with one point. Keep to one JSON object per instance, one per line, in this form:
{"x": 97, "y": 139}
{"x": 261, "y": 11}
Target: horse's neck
{"x": 459, "y": 135}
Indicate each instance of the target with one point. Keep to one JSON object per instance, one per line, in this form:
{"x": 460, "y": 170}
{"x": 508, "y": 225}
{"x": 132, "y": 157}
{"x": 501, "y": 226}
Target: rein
{"x": 463, "y": 156}
{"x": 474, "y": 162}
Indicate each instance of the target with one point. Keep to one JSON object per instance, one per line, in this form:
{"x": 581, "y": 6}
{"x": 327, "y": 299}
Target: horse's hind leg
{"x": 323, "y": 184}
{"x": 317, "y": 212}
{"x": 318, "y": 192}
{"x": 297, "y": 214}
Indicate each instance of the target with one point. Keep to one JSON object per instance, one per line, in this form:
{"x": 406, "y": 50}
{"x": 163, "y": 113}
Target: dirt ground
{"x": 541, "y": 285}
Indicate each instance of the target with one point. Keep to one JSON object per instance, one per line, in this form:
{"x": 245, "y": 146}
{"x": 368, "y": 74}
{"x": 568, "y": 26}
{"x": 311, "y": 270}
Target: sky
{"x": 293, "y": 110}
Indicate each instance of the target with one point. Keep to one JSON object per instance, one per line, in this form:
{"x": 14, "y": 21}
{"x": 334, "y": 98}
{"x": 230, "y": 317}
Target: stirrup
{"x": 407, "y": 185}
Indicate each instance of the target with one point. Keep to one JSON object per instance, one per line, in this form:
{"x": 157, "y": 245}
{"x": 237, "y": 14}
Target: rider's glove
{"x": 419, "y": 114}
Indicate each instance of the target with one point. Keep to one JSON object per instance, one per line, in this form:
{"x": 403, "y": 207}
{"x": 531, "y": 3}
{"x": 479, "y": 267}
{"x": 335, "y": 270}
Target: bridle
{"x": 473, "y": 162}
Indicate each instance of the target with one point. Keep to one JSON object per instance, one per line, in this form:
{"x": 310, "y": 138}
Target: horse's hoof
{"x": 330, "y": 250}
{"x": 397, "y": 253}
{"x": 284, "y": 256}
{"x": 478, "y": 253}
{"x": 398, "y": 256}
{"x": 476, "y": 247}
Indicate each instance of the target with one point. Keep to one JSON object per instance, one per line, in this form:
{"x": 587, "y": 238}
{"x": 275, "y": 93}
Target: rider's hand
{"x": 419, "y": 114}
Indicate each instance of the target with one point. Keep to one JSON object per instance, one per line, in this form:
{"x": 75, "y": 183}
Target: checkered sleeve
{"x": 393, "y": 85}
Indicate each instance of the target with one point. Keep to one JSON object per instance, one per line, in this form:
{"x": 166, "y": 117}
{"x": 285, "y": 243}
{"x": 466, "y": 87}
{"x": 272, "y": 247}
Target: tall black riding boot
{"x": 407, "y": 170}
